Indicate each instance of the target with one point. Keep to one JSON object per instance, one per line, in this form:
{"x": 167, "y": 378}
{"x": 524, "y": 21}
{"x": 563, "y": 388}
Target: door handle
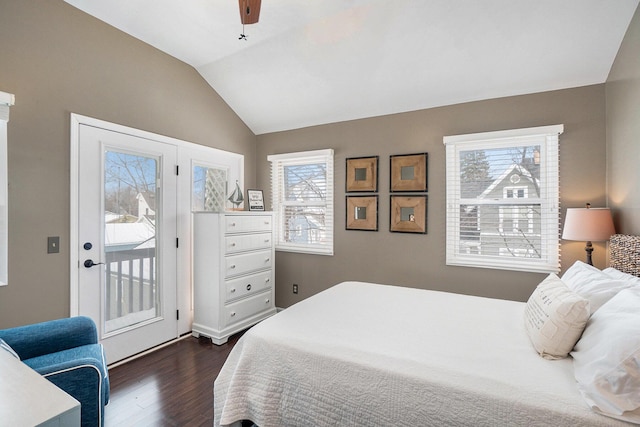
{"x": 89, "y": 263}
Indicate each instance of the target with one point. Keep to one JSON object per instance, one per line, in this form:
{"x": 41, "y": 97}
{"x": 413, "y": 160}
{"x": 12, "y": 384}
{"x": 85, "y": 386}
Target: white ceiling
{"x": 313, "y": 62}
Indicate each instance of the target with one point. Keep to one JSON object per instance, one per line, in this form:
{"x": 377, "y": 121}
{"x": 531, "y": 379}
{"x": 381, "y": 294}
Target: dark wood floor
{"x": 169, "y": 387}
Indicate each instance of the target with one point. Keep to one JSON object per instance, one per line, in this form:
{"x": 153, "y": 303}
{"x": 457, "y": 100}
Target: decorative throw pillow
{"x": 554, "y": 318}
{"x": 607, "y": 358}
{"x": 593, "y": 284}
{"x": 7, "y": 347}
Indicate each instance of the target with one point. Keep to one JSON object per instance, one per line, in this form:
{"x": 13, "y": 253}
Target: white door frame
{"x": 187, "y": 151}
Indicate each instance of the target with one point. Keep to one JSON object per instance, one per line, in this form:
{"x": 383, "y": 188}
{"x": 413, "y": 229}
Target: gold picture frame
{"x": 362, "y": 174}
{"x": 408, "y": 172}
{"x": 408, "y": 214}
{"x": 362, "y": 213}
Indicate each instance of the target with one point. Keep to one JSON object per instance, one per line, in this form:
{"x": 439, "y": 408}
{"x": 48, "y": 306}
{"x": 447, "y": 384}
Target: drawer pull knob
{"x": 232, "y": 244}
{"x": 233, "y": 290}
{"x": 267, "y": 259}
{"x": 233, "y": 224}
{"x": 233, "y": 313}
{"x": 267, "y": 222}
{"x": 232, "y": 266}
{"x": 267, "y": 301}
{"x": 249, "y": 287}
{"x": 266, "y": 240}
{"x": 267, "y": 280}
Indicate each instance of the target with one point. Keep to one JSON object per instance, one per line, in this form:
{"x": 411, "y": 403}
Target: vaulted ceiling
{"x": 313, "y": 62}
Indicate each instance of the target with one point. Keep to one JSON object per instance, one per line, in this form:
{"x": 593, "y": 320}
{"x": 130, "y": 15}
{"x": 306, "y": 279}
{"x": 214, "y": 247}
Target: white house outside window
{"x": 302, "y": 188}
{"x": 503, "y": 199}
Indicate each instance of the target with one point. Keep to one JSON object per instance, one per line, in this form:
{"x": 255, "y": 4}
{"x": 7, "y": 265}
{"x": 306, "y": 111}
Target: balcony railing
{"x": 131, "y": 282}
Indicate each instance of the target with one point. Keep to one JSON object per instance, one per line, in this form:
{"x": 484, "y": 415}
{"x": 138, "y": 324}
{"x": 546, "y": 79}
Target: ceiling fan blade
{"x": 249, "y": 11}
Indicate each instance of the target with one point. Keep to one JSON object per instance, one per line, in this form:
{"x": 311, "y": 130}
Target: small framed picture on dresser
{"x": 256, "y": 200}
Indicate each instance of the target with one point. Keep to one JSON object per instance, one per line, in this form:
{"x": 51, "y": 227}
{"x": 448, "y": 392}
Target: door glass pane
{"x": 130, "y": 195}
{"x": 209, "y": 189}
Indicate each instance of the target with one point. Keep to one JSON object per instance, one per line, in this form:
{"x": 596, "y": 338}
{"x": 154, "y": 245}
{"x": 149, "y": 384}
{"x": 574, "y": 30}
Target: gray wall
{"x": 58, "y": 60}
{"x": 623, "y": 132}
{"x": 419, "y": 260}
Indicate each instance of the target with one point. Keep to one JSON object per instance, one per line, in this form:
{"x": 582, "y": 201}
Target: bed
{"x": 371, "y": 354}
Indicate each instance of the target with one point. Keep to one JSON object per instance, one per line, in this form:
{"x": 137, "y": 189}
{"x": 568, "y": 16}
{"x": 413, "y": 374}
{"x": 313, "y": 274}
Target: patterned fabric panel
{"x": 625, "y": 253}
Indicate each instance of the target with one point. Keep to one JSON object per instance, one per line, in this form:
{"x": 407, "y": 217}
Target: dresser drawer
{"x": 236, "y": 265}
{"x": 238, "y": 311}
{"x": 246, "y": 224}
{"x": 248, "y": 285}
{"x": 245, "y": 242}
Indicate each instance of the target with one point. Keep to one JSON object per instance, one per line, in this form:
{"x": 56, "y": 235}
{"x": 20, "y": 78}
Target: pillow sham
{"x": 606, "y": 360}
{"x": 554, "y": 318}
{"x": 593, "y": 284}
{"x": 619, "y": 275}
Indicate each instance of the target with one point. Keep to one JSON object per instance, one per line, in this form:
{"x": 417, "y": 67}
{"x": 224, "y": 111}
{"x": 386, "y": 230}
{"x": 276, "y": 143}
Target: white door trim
{"x": 186, "y": 151}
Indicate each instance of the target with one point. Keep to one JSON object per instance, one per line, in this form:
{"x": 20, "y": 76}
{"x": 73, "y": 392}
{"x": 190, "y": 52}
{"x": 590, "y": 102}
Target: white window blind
{"x": 302, "y": 189}
{"x": 6, "y": 101}
{"x": 503, "y": 199}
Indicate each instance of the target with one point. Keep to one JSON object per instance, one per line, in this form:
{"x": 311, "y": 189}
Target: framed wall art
{"x": 256, "y": 200}
{"x": 408, "y": 214}
{"x": 409, "y": 172}
{"x": 362, "y": 174}
{"x": 362, "y": 213}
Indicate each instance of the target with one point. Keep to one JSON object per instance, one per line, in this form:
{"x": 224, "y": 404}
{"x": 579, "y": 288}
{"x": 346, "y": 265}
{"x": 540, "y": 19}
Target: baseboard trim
{"x": 151, "y": 350}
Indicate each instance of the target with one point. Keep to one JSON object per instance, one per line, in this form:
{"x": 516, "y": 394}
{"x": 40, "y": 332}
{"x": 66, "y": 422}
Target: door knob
{"x": 89, "y": 263}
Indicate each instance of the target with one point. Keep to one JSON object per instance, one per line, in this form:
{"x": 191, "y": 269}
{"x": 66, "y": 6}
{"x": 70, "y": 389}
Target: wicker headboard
{"x": 625, "y": 253}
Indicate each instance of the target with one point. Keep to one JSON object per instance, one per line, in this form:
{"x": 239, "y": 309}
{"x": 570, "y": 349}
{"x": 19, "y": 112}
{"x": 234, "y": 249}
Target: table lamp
{"x": 588, "y": 224}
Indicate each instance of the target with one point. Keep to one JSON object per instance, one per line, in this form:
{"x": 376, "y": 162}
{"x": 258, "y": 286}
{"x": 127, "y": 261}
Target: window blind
{"x": 503, "y": 199}
{"x": 302, "y": 190}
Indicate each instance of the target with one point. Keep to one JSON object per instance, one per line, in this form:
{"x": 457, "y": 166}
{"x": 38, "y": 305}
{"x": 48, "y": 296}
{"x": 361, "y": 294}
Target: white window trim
{"x": 315, "y": 156}
{"x": 549, "y": 197}
{"x": 6, "y": 101}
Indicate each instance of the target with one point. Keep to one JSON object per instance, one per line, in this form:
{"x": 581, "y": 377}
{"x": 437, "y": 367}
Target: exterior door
{"x": 127, "y": 235}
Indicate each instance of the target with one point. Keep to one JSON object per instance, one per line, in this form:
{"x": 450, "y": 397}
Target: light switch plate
{"x": 53, "y": 245}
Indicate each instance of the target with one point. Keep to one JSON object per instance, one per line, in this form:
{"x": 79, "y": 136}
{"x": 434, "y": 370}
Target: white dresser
{"x": 233, "y": 272}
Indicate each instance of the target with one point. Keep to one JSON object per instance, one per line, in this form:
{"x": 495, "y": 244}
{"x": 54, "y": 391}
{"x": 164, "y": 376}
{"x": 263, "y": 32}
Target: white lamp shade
{"x": 588, "y": 224}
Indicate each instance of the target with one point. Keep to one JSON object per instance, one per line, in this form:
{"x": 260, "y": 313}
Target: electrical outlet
{"x": 295, "y": 288}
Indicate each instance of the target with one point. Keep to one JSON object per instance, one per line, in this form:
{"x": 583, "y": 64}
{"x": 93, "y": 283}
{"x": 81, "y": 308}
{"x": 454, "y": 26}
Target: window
{"x": 6, "y": 101}
{"x": 302, "y": 188}
{"x": 503, "y": 199}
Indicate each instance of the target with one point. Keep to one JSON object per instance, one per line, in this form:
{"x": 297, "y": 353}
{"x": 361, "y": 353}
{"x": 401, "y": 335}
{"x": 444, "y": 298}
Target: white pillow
{"x": 593, "y": 284}
{"x": 554, "y": 318}
{"x": 607, "y": 358}
{"x": 619, "y": 275}
{"x": 7, "y": 347}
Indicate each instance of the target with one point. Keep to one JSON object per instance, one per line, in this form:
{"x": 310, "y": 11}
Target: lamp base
{"x": 589, "y": 249}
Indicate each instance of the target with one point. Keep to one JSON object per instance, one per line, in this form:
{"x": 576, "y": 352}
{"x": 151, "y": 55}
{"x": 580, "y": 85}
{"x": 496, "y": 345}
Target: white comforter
{"x": 375, "y": 355}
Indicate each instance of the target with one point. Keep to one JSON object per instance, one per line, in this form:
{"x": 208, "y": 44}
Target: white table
{"x": 28, "y": 399}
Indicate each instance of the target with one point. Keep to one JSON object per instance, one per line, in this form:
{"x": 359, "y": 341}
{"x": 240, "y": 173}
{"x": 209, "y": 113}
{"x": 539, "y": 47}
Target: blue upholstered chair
{"x": 67, "y": 353}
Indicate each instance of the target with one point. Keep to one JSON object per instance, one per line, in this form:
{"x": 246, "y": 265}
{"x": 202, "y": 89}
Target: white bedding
{"x": 376, "y": 355}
